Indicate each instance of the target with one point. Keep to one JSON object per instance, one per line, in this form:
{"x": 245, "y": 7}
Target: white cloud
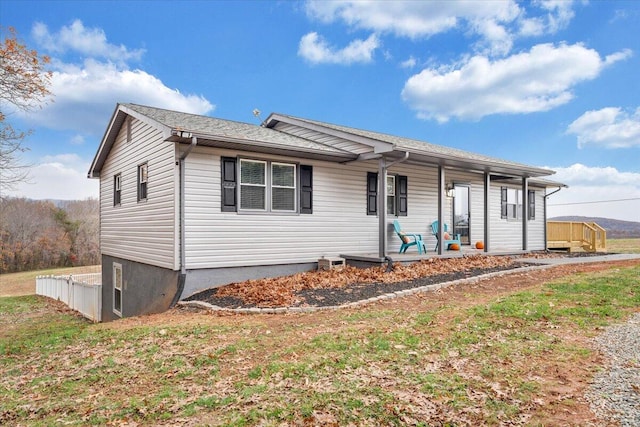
{"x": 316, "y": 50}
{"x": 63, "y": 176}
{"x": 87, "y": 90}
{"x": 605, "y": 190}
{"x": 86, "y": 95}
{"x": 556, "y": 15}
{"x": 609, "y": 127}
{"x": 495, "y": 24}
{"x": 533, "y": 81}
{"x": 77, "y": 140}
{"x": 409, "y": 63}
{"x": 76, "y": 37}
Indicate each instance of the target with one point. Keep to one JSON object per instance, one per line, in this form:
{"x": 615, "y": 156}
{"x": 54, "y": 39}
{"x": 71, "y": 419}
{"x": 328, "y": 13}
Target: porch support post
{"x": 382, "y": 208}
{"x": 441, "y": 201}
{"x": 525, "y": 213}
{"x": 487, "y": 210}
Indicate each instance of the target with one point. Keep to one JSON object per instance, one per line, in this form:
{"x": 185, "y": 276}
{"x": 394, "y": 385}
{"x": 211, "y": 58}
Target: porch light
{"x": 450, "y": 191}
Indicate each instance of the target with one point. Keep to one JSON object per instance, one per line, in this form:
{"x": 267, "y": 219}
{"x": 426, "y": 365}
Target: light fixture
{"x": 450, "y": 190}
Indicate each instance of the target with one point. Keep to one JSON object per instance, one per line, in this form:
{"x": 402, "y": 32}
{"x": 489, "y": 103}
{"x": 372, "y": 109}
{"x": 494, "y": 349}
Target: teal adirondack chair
{"x": 447, "y": 242}
{"x": 409, "y": 239}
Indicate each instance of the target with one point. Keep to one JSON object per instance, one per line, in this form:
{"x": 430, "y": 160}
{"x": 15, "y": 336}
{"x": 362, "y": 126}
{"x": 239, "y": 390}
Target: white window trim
{"x": 118, "y": 188}
{"x": 117, "y": 266}
{"x": 268, "y": 188}
{"x": 265, "y": 186}
{"x": 143, "y": 178}
{"x": 391, "y": 193}
{"x": 518, "y": 203}
{"x": 294, "y": 188}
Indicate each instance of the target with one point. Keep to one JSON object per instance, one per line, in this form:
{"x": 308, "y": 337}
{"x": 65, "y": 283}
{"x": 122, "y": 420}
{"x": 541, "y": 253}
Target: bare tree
{"x": 24, "y": 86}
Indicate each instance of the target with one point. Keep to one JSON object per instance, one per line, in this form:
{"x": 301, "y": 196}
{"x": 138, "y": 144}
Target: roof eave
{"x": 266, "y": 147}
{"x": 378, "y": 146}
{"x": 117, "y": 119}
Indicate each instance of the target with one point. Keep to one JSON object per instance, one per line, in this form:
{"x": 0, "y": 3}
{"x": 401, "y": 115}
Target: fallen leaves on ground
{"x": 280, "y": 291}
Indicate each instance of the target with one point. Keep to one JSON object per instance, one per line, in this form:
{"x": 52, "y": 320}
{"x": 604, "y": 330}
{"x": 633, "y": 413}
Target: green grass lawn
{"x": 483, "y": 362}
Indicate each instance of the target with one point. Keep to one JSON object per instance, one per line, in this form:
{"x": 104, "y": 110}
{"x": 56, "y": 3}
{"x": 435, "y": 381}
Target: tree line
{"x": 37, "y": 234}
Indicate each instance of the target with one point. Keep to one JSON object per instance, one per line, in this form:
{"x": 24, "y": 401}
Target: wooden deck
{"x": 576, "y": 236}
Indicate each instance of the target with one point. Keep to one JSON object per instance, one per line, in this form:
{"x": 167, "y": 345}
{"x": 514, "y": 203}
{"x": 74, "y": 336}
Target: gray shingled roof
{"x": 265, "y": 139}
{"x": 212, "y": 128}
{"x": 417, "y": 146}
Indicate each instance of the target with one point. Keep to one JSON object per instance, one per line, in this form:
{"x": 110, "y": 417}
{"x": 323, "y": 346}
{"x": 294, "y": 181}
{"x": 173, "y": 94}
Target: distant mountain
{"x": 615, "y": 227}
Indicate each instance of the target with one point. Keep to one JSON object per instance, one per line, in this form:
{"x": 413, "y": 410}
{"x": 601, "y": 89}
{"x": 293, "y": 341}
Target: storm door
{"x": 461, "y": 212}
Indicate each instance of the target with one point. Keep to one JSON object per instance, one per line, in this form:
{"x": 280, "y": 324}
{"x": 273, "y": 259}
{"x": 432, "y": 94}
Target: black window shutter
{"x": 532, "y": 204}
{"x": 306, "y": 189}
{"x": 372, "y": 193}
{"x": 503, "y": 202}
{"x": 401, "y": 195}
{"x": 229, "y": 184}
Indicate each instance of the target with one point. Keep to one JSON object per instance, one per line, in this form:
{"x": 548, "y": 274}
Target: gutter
{"x": 183, "y": 269}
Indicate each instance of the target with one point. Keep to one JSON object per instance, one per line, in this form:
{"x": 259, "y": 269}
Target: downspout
{"x": 194, "y": 142}
{"x": 545, "y": 215}
{"x": 525, "y": 214}
{"x": 382, "y": 204}
{"x": 183, "y": 270}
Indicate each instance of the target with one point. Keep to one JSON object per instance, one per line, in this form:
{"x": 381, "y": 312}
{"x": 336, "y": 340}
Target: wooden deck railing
{"x": 570, "y": 235}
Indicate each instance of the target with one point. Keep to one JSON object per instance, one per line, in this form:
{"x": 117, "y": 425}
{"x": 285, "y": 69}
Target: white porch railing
{"x": 81, "y": 292}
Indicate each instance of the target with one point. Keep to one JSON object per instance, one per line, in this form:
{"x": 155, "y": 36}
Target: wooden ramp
{"x": 576, "y": 236}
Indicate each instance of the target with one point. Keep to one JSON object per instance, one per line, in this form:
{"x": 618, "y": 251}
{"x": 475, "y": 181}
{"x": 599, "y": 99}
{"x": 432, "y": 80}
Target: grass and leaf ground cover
{"x": 509, "y": 350}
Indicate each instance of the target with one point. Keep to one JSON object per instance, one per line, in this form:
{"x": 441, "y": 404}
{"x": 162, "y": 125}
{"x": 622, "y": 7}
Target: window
{"x": 396, "y": 194}
{"x": 512, "y": 200}
{"x": 117, "y": 288}
{"x": 266, "y": 186}
{"x": 253, "y": 185}
{"x": 283, "y": 187}
{"x": 142, "y": 181}
{"x": 514, "y": 203}
{"x": 117, "y": 189}
{"x": 391, "y": 195}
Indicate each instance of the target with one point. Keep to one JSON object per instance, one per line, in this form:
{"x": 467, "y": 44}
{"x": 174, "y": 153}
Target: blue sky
{"x": 547, "y": 83}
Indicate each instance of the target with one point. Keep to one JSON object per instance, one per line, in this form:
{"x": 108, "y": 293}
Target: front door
{"x": 461, "y": 213}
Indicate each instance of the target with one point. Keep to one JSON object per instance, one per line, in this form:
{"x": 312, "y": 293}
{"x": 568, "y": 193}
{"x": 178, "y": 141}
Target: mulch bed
{"x": 339, "y": 287}
{"x": 323, "y": 296}
{"x": 363, "y": 291}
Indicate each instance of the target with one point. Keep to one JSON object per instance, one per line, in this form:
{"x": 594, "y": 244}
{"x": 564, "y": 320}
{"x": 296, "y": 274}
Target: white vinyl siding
{"x": 339, "y": 223}
{"x": 143, "y": 232}
{"x": 506, "y": 234}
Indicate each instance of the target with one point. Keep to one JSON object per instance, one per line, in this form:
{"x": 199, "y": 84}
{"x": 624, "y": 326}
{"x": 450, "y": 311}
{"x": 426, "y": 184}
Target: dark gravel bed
{"x": 356, "y": 292}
